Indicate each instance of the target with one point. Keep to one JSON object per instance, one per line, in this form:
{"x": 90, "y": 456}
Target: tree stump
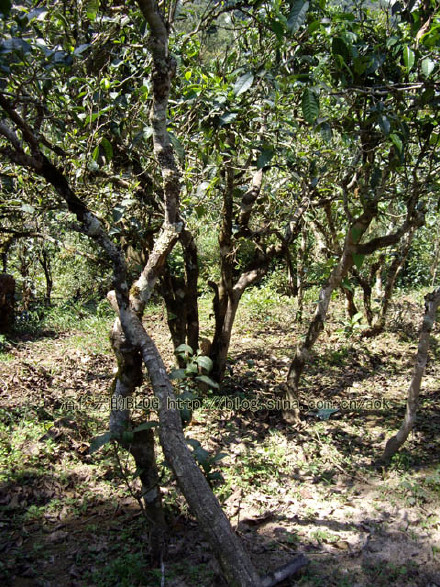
{"x": 7, "y": 291}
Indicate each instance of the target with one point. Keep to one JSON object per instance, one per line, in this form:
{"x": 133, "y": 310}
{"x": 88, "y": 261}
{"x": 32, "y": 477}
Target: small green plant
{"x": 433, "y": 480}
{"x": 351, "y": 326}
{"x": 196, "y": 368}
{"x": 190, "y": 379}
{"x": 322, "y": 535}
{"x": 412, "y": 491}
{"x": 401, "y": 461}
{"x": 206, "y": 460}
{"x": 3, "y": 343}
{"x": 124, "y": 571}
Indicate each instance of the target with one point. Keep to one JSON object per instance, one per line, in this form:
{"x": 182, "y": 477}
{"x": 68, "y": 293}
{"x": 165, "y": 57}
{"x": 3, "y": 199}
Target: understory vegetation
{"x": 71, "y": 516}
{"x": 219, "y": 244}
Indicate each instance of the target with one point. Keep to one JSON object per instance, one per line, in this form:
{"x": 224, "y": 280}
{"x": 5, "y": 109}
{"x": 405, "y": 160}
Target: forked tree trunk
{"x": 224, "y": 320}
{"x": 180, "y": 293}
{"x": 395, "y": 268}
{"x": 141, "y": 445}
{"x": 350, "y": 305}
{"x": 352, "y": 246}
{"x": 432, "y": 302}
{"x": 355, "y": 232}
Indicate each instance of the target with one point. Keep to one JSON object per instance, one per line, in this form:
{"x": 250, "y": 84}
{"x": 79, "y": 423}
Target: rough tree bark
{"x": 300, "y": 273}
{"x": 233, "y": 282}
{"x": 45, "y": 262}
{"x": 130, "y": 337}
{"x": 180, "y": 294}
{"x": 354, "y": 234}
{"x": 378, "y": 325}
{"x": 352, "y": 246}
{"x": 7, "y": 291}
{"x": 432, "y": 302}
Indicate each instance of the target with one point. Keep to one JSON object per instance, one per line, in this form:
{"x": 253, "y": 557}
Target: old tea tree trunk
{"x": 352, "y": 248}
{"x": 132, "y": 343}
{"x": 432, "y": 302}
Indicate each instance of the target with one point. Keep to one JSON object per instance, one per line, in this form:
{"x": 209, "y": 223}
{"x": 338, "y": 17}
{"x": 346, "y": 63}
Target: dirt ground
{"x": 72, "y": 518}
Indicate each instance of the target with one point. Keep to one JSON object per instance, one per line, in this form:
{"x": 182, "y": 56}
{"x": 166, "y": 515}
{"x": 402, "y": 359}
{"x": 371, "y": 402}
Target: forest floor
{"x": 71, "y": 518}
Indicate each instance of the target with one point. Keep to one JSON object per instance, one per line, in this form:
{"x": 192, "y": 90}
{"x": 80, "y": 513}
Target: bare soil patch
{"x": 71, "y": 518}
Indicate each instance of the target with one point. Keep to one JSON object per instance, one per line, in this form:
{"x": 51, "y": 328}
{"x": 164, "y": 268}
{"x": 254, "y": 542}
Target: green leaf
{"x": 278, "y": 28}
{"x": 192, "y": 369}
{"x": 397, "y": 142}
{"x": 384, "y": 124}
{"x": 27, "y": 208}
{"x": 193, "y": 442}
{"x": 427, "y": 66}
{"x": 146, "y": 426}
{"x": 244, "y": 83}
{"x": 95, "y": 153}
{"x": 358, "y": 260}
{"x": 357, "y": 317}
{"x": 326, "y": 131}
{"x": 118, "y": 213}
{"x": 431, "y": 39}
{"x": 346, "y": 284}
{"x": 183, "y": 348}
{"x": 80, "y": 49}
{"x": 5, "y": 7}
{"x": 227, "y": 118}
{"x": 408, "y": 58}
{"x": 201, "y": 189}
{"x": 264, "y": 157}
{"x": 216, "y": 476}
{"x": 99, "y": 441}
{"x": 15, "y": 44}
{"x": 205, "y": 363}
{"x": 310, "y": 105}
{"x": 208, "y": 381}
{"x": 108, "y": 149}
{"x": 219, "y": 456}
{"x": 201, "y": 455}
{"x": 340, "y": 47}
{"x": 178, "y": 147}
{"x": 92, "y": 9}
{"x": 297, "y": 15}
{"x": 178, "y": 374}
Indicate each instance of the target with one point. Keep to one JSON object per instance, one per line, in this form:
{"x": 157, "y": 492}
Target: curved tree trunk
{"x": 356, "y": 230}
{"x": 350, "y": 305}
{"x": 432, "y": 302}
{"x": 352, "y": 246}
{"x": 223, "y": 333}
{"x": 180, "y": 294}
{"x": 393, "y": 272}
{"x": 141, "y": 446}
